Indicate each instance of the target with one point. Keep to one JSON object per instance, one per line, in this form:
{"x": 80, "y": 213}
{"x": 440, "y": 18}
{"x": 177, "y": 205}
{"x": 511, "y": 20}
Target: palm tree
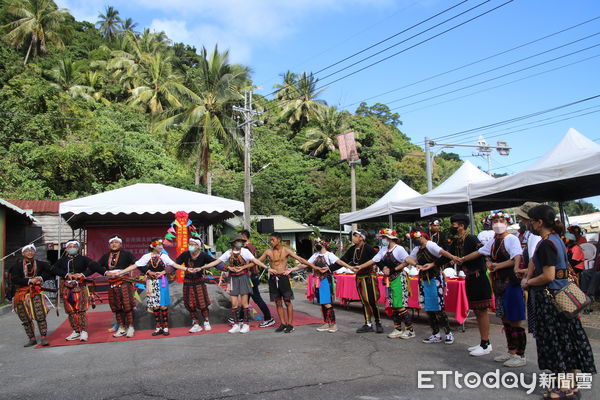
{"x": 321, "y": 137}
{"x": 66, "y": 77}
{"x": 129, "y": 25}
{"x": 287, "y": 90}
{"x": 36, "y": 23}
{"x": 302, "y": 108}
{"x": 208, "y": 116}
{"x": 157, "y": 86}
{"x": 109, "y": 23}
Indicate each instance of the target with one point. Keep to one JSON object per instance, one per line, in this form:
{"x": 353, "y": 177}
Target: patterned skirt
{"x": 399, "y": 292}
{"x": 195, "y": 295}
{"x": 324, "y": 291}
{"x": 431, "y": 293}
{"x": 120, "y": 297}
{"x": 562, "y": 344}
{"x": 157, "y": 293}
{"x": 76, "y": 299}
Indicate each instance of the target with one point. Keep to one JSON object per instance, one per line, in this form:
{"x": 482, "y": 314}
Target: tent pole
{"x": 391, "y": 221}
{"x": 471, "y": 217}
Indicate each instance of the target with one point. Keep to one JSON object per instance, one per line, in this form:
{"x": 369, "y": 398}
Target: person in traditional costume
{"x": 477, "y": 281}
{"x": 436, "y": 235}
{"x": 504, "y": 254}
{"x": 120, "y": 292}
{"x": 195, "y": 293}
{"x": 326, "y": 263}
{"x": 562, "y": 344}
{"x": 154, "y": 266}
{"x": 74, "y": 268}
{"x": 432, "y": 284}
{"x": 238, "y": 260}
{"x": 392, "y": 259}
{"x": 25, "y": 280}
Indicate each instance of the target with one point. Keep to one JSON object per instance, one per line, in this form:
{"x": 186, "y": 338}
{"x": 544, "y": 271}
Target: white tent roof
{"x": 151, "y": 198}
{"x": 399, "y": 192}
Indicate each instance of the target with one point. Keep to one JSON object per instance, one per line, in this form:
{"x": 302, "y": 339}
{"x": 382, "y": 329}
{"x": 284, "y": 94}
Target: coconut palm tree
{"x": 109, "y": 23}
{"x": 321, "y": 136}
{"x": 304, "y": 106}
{"x": 287, "y": 90}
{"x": 129, "y": 26}
{"x": 67, "y": 78}
{"x": 157, "y": 86}
{"x": 217, "y": 86}
{"x": 36, "y": 22}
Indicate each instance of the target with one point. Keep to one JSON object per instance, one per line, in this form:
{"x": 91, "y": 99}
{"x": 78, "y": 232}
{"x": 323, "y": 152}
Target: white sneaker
{"x": 323, "y": 328}
{"x": 130, "y": 332}
{"x": 396, "y": 334}
{"x": 470, "y": 349}
{"x": 516, "y": 361}
{"x": 83, "y": 336}
{"x": 120, "y": 332}
{"x": 332, "y": 328}
{"x": 408, "y": 334}
{"x": 73, "y": 336}
{"x": 449, "y": 338}
{"x": 480, "y": 351}
{"x": 235, "y": 329}
{"x": 207, "y": 326}
{"x": 245, "y": 328}
{"x": 503, "y": 357}
{"x": 433, "y": 339}
{"x": 195, "y": 328}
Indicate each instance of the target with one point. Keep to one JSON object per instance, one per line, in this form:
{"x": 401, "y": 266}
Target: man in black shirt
{"x": 366, "y": 280}
{"x": 436, "y": 234}
{"x": 477, "y": 283}
{"x": 120, "y": 293}
{"x": 73, "y": 268}
{"x": 25, "y": 280}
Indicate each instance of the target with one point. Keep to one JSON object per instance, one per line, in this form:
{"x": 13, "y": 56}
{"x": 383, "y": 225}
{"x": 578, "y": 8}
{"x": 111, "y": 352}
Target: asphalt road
{"x": 260, "y": 365}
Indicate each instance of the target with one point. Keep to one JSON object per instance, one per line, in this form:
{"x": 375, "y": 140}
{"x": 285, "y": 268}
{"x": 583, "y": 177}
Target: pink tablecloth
{"x": 345, "y": 290}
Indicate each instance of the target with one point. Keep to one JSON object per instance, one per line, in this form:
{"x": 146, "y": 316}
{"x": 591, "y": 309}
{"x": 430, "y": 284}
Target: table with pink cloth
{"x": 345, "y": 290}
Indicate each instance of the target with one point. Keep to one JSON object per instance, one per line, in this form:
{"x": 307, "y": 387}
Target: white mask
{"x": 385, "y": 242}
{"x": 499, "y": 228}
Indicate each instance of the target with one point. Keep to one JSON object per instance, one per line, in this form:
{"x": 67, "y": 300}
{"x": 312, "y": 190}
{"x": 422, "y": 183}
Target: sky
{"x": 273, "y": 36}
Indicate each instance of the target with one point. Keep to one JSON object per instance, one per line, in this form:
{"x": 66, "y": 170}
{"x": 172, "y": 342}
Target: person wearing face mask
{"x": 195, "y": 293}
{"x": 326, "y": 262}
{"x": 73, "y": 268}
{"x": 238, "y": 260}
{"x": 120, "y": 293}
{"x": 504, "y": 254}
{"x": 25, "y": 279}
{"x": 432, "y": 284}
{"x": 562, "y": 343}
{"x": 154, "y": 266}
{"x": 477, "y": 282}
{"x": 392, "y": 258}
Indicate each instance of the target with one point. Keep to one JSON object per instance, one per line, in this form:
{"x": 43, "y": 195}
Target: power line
{"x": 417, "y": 44}
{"x": 487, "y": 80}
{"x": 474, "y": 62}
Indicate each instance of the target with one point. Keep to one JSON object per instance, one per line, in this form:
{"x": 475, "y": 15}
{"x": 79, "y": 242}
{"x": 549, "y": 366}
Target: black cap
{"x": 461, "y": 218}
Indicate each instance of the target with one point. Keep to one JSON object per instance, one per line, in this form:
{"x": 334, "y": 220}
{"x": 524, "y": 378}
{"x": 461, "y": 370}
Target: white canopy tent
{"x": 141, "y": 201}
{"x": 381, "y": 208}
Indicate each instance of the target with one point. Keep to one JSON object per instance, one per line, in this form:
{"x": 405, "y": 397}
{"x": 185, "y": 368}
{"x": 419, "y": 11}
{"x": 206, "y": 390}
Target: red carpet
{"x": 100, "y": 321}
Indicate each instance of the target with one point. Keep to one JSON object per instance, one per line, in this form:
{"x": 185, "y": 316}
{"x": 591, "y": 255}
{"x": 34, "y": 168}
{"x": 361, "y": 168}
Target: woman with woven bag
{"x": 562, "y": 344}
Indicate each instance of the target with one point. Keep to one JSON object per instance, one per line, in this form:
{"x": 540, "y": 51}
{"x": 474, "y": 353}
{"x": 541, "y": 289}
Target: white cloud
{"x": 240, "y": 25}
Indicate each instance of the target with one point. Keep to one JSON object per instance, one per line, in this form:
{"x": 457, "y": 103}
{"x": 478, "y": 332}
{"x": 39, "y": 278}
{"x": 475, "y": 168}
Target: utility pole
{"x": 428, "y": 164}
{"x": 248, "y": 115}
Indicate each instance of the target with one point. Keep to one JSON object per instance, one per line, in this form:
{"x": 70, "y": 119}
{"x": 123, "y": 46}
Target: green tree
{"x": 379, "y": 111}
{"x": 207, "y": 115}
{"x": 35, "y": 23}
{"x": 304, "y": 106}
{"x": 109, "y": 23}
{"x": 67, "y": 78}
{"x": 128, "y": 25}
{"x": 322, "y": 135}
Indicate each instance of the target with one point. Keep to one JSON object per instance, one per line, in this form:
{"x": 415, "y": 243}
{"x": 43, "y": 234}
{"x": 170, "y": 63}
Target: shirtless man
{"x": 280, "y": 289}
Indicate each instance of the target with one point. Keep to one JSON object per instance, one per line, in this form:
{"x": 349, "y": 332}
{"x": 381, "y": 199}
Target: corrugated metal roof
{"x": 38, "y": 206}
{"x": 18, "y": 210}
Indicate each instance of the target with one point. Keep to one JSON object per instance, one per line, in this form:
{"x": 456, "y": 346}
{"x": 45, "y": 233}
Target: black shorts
{"x": 280, "y": 288}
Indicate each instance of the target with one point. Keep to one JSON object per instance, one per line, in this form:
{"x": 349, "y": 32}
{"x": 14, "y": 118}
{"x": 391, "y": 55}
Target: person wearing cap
{"x": 25, "y": 280}
{"x": 427, "y": 257}
{"x": 154, "y": 266}
{"x": 504, "y": 254}
{"x": 74, "y": 268}
{"x": 195, "y": 293}
{"x": 326, "y": 263}
{"x": 436, "y": 235}
{"x": 477, "y": 282}
{"x": 366, "y": 280}
{"x": 120, "y": 293}
{"x": 238, "y": 260}
{"x": 392, "y": 259}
